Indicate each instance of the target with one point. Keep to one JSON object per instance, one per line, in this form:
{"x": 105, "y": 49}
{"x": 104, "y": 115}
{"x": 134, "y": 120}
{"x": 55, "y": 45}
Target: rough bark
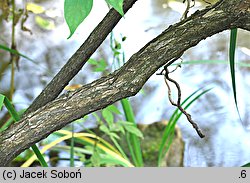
{"x": 79, "y": 58}
{"x": 128, "y": 80}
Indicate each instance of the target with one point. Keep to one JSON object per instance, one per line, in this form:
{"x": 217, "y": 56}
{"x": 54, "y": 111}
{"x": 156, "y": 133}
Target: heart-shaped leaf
{"x": 75, "y": 11}
{"x": 117, "y": 5}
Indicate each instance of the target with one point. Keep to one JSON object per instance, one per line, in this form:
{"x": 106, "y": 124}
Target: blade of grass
{"x": 72, "y": 160}
{"x": 85, "y": 137}
{"x": 1, "y": 101}
{"x": 233, "y": 39}
{"x": 10, "y": 108}
{"x": 195, "y": 62}
{"x": 91, "y": 135}
{"x": 169, "y": 130}
{"x": 117, "y": 145}
{"x": 67, "y": 149}
{"x": 186, "y": 100}
{"x": 246, "y": 165}
{"x": 3, "y": 47}
{"x": 16, "y": 118}
{"x": 94, "y": 136}
{"x": 79, "y": 152}
{"x": 10, "y": 121}
{"x": 135, "y": 142}
{"x": 12, "y": 80}
{"x": 178, "y": 115}
{"x": 39, "y": 156}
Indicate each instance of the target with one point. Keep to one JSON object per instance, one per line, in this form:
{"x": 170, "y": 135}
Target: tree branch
{"x": 80, "y": 57}
{"x": 128, "y": 80}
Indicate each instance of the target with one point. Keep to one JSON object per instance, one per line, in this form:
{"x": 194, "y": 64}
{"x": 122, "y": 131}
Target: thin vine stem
{"x": 166, "y": 72}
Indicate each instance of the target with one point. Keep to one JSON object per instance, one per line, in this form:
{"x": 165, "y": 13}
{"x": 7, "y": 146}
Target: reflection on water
{"x": 227, "y": 138}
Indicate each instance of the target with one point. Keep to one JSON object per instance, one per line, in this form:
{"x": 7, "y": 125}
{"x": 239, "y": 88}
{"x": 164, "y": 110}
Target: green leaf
{"x": 233, "y": 39}
{"x": 122, "y": 130}
{"x": 118, "y": 127}
{"x": 124, "y": 38}
{"x": 109, "y": 160}
{"x": 134, "y": 130}
{"x": 98, "y": 119}
{"x": 116, "y": 53}
{"x": 118, "y": 45}
{"x": 113, "y": 109}
{"x": 45, "y": 23}
{"x": 114, "y": 135}
{"x": 92, "y": 61}
{"x": 117, "y": 5}
{"x": 124, "y": 123}
{"x": 132, "y": 140}
{"x": 35, "y": 8}
{"x": 96, "y": 158}
{"x": 100, "y": 65}
{"x": 108, "y": 116}
{"x": 75, "y": 11}
{"x": 15, "y": 52}
{"x": 105, "y": 129}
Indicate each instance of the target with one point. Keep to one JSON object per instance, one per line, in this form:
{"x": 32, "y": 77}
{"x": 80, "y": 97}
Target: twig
{"x": 207, "y": 2}
{"x": 184, "y": 16}
{"x": 178, "y": 103}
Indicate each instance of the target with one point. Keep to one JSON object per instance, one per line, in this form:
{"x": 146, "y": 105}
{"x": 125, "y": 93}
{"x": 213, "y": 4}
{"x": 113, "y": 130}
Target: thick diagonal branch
{"x": 126, "y": 81}
{"x": 79, "y": 58}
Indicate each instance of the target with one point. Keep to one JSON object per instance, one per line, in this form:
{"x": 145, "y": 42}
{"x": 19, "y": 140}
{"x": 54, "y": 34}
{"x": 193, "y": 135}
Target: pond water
{"x": 227, "y": 141}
